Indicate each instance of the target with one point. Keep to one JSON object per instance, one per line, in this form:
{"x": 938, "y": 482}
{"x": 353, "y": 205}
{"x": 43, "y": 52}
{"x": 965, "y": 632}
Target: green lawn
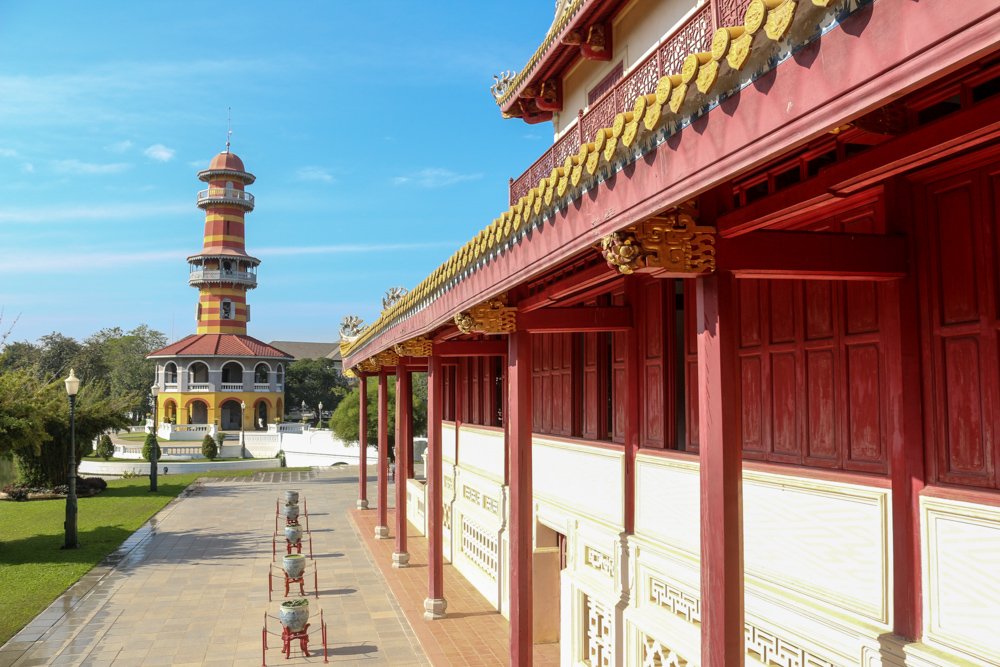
{"x": 134, "y": 437}
{"x": 166, "y": 462}
{"x": 34, "y": 570}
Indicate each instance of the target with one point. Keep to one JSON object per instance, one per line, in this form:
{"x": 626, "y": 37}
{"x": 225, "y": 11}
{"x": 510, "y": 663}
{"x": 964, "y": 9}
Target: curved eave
{"x": 206, "y": 175}
{"x": 225, "y": 255}
{"x": 218, "y": 356}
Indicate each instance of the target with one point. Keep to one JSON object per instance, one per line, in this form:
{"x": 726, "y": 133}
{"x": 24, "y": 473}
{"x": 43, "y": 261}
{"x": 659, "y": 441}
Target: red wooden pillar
{"x": 905, "y": 427}
{"x": 633, "y": 368}
{"x": 435, "y": 604}
{"x": 382, "y": 525}
{"x": 409, "y": 427}
{"x": 719, "y": 425}
{"x": 521, "y": 602}
{"x": 400, "y": 557}
{"x": 363, "y": 446}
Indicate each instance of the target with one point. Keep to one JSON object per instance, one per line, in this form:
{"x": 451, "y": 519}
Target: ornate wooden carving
{"x": 421, "y": 346}
{"x": 386, "y": 358}
{"x": 673, "y": 242}
{"x": 491, "y": 316}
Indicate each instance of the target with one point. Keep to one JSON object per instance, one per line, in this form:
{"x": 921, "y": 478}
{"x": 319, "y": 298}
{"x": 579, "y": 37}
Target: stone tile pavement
{"x": 190, "y": 587}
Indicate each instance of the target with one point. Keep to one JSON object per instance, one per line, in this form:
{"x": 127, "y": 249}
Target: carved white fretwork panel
{"x": 773, "y": 650}
{"x": 683, "y": 604}
{"x": 480, "y": 546}
{"x": 962, "y": 576}
{"x": 655, "y": 654}
{"x": 471, "y": 494}
{"x": 600, "y": 647}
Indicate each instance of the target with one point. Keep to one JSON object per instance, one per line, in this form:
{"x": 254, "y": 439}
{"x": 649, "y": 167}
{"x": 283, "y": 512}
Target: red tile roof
{"x": 221, "y": 345}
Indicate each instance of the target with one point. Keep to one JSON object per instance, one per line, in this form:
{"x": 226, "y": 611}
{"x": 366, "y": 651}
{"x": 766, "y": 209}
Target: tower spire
{"x": 229, "y": 127}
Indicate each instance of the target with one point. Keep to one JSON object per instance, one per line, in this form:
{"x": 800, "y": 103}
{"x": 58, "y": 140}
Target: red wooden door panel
{"x": 959, "y": 253}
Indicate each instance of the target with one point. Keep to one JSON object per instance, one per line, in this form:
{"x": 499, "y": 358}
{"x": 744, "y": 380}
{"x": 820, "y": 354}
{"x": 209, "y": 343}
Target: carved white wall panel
{"x": 479, "y": 545}
{"x": 482, "y": 451}
{"x": 827, "y": 540}
{"x": 448, "y": 442}
{"x": 599, "y": 638}
{"x": 961, "y": 563}
{"x": 668, "y": 502}
{"x": 587, "y": 480}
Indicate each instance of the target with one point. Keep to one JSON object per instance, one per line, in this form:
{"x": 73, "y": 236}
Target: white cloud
{"x": 434, "y": 178}
{"x": 199, "y": 164}
{"x": 93, "y": 212}
{"x": 314, "y": 174}
{"x": 160, "y": 153}
{"x": 334, "y": 249}
{"x": 8, "y": 152}
{"x": 109, "y": 261}
{"x": 119, "y": 147}
{"x": 28, "y": 167}
{"x": 86, "y": 168}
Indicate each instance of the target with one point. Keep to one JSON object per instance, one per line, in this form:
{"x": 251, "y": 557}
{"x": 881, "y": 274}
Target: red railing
{"x": 693, "y": 36}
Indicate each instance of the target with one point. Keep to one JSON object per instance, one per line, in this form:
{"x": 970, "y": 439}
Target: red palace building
{"x": 722, "y": 385}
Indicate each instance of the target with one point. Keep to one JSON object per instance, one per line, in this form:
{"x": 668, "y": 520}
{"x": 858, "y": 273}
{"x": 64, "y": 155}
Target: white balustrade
{"x": 225, "y": 276}
{"x": 170, "y": 386}
{"x": 227, "y": 195}
{"x": 232, "y": 386}
{"x": 257, "y": 386}
{"x": 199, "y": 386}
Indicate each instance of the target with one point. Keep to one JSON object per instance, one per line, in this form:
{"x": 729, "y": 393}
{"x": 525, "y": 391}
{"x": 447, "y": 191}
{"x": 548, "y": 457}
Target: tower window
{"x": 227, "y": 309}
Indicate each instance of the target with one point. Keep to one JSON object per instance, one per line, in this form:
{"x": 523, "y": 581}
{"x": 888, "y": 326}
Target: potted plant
{"x": 294, "y": 565}
{"x": 292, "y": 497}
{"x": 293, "y": 532}
{"x": 294, "y": 614}
{"x": 291, "y": 511}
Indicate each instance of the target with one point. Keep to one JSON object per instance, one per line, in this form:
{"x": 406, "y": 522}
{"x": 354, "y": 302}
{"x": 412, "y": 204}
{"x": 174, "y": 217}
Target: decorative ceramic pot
{"x": 294, "y": 565}
{"x": 295, "y": 618}
{"x": 293, "y": 532}
{"x": 291, "y": 512}
{"x": 292, "y": 497}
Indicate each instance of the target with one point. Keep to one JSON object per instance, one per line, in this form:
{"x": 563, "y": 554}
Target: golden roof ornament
{"x": 672, "y": 242}
{"x": 421, "y": 346}
{"x": 490, "y": 317}
{"x": 392, "y": 295}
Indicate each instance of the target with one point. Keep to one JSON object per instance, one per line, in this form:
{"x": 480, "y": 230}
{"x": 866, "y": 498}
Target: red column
{"x": 722, "y": 643}
{"x": 400, "y": 557}
{"x": 905, "y": 427}
{"x": 633, "y": 367}
{"x": 382, "y": 526}
{"x": 363, "y": 446}
{"x": 521, "y": 602}
{"x": 435, "y": 604}
{"x": 409, "y": 427}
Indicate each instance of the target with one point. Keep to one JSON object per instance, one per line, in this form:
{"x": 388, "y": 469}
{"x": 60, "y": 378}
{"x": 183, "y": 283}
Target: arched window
{"x": 198, "y": 373}
{"x": 281, "y": 376}
{"x": 227, "y": 266}
{"x": 232, "y": 373}
{"x": 226, "y": 311}
{"x": 261, "y": 373}
{"x": 170, "y": 373}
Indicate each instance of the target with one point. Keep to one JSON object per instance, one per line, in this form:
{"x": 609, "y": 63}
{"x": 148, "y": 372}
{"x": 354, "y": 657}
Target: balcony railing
{"x": 170, "y": 386}
{"x": 265, "y": 386}
{"x": 213, "y": 275}
{"x": 226, "y": 196}
{"x": 199, "y": 386}
{"x": 692, "y": 36}
{"x": 232, "y": 386}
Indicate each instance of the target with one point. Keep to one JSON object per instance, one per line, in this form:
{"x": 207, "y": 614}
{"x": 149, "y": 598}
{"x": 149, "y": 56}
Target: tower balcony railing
{"x": 217, "y": 275}
{"x": 226, "y": 196}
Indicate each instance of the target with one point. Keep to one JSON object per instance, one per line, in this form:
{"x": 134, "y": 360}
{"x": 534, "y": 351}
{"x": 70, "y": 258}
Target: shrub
{"x": 147, "y": 447}
{"x": 209, "y": 449}
{"x": 105, "y": 448}
{"x": 93, "y": 483}
{"x": 220, "y": 437}
{"x": 15, "y": 493}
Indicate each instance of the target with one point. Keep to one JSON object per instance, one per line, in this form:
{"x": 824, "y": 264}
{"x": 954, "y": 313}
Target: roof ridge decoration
{"x": 660, "y": 114}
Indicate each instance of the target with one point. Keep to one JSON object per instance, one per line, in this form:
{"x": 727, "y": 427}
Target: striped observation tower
{"x": 223, "y": 272}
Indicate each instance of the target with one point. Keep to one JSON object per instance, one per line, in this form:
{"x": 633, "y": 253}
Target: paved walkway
{"x": 190, "y": 587}
{"x": 474, "y": 632}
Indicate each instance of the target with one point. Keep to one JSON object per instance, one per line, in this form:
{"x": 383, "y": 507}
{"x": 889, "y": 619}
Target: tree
{"x": 105, "y": 448}
{"x": 19, "y": 355}
{"x": 130, "y": 372}
{"x": 208, "y": 448}
{"x": 314, "y": 381}
{"x": 148, "y": 445}
{"x": 57, "y": 355}
{"x": 345, "y": 420}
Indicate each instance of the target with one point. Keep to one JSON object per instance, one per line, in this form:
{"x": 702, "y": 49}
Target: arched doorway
{"x": 260, "y": 423}
{"x": 198, "y": 373}
{"x": 229, "y": 419}
{"x": 169, "y": 410}
{"x": 198, "y": 411}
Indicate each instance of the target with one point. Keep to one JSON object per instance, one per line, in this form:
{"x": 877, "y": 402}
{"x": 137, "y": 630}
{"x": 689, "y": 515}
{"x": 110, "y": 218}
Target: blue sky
{"x": 377, "y": 148}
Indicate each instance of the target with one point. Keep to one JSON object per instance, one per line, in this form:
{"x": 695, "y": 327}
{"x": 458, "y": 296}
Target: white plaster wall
{"x": 585, "y": 479}
{"x": 961, "y": 564}
{"x": 482, "y": 451}
{"x": 668, "y": 506}
{"x": 638, "y": 29}
{"x": 320, "y": 448}
{"x": 448, "y": 450}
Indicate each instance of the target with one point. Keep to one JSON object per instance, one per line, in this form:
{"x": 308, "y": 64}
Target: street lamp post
{"x": 243, "y": 442}
{"x": 319, "y": 417}
{"x": 72, "y": 387}
{"x": 153, "y": 464}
